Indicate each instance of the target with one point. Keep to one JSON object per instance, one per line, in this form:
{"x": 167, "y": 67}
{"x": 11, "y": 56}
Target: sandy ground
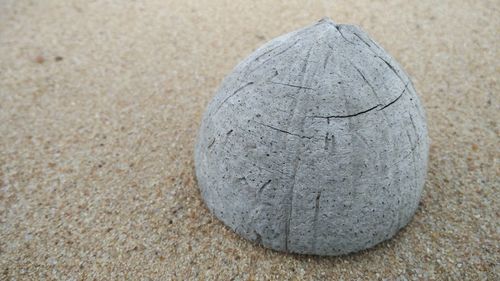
{"x": 100, "y": 102}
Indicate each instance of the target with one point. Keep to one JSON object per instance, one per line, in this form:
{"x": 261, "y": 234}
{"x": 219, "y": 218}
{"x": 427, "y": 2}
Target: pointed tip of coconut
{"x": 326, "y": 20}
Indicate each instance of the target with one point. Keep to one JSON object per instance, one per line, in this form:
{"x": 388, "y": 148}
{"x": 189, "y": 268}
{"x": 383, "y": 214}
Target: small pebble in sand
{"x": 39, "y": 59}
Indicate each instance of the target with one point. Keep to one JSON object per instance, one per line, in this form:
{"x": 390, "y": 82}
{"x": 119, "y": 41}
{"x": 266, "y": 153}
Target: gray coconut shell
{"x": 314, "y": 144}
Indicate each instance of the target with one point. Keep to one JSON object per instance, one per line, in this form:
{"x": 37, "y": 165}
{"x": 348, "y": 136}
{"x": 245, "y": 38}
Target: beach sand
{"x": 100, "y": 104}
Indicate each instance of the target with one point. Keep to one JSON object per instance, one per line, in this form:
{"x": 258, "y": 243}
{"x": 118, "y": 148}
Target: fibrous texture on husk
{"x": 316, "y": 144}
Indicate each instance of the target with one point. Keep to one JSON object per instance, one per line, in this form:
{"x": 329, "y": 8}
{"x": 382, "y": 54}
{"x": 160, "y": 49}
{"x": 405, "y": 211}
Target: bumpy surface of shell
{"x": 316, "y": 144}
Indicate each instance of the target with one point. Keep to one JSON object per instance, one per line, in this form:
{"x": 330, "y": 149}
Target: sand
{"x": 100, "y": 103}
